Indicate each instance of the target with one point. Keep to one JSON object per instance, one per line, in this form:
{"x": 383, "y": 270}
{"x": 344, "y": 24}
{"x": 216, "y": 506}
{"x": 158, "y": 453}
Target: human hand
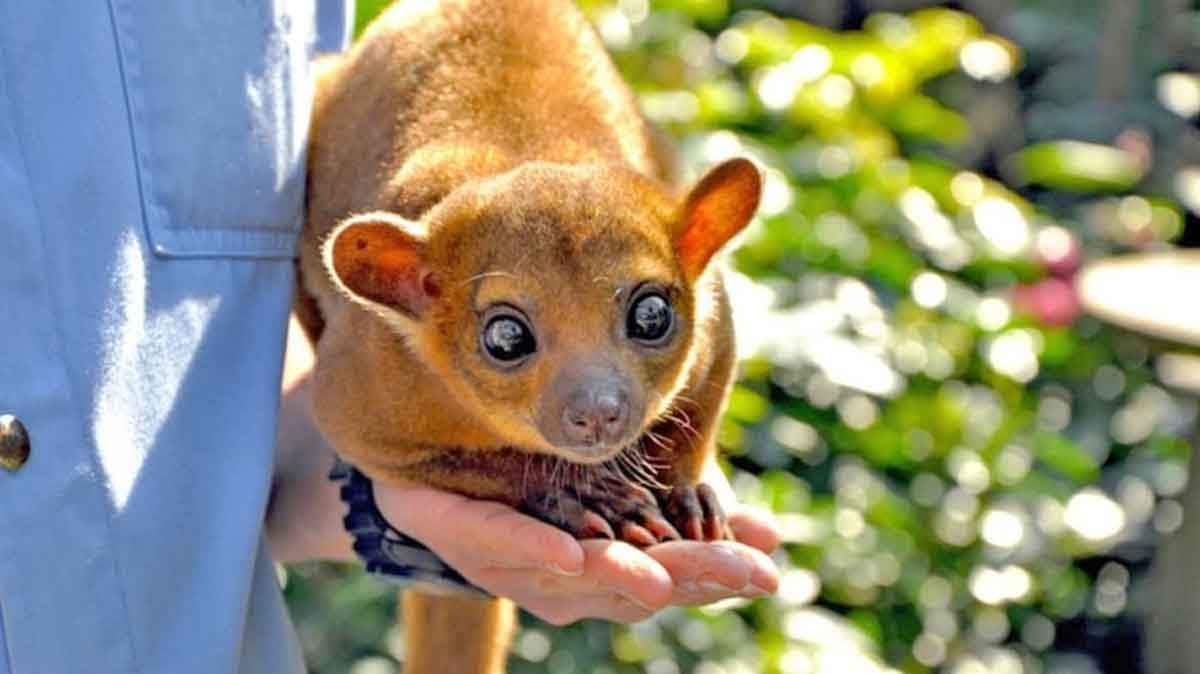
{"x": 561, "y": 580}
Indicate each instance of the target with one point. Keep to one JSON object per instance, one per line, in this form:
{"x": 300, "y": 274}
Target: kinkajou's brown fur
{"x": 507, "y": 299}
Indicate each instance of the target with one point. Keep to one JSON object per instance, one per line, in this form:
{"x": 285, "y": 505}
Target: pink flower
{"x": 1053, "y": 301}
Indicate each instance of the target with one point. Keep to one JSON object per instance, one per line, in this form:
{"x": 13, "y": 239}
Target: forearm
{"x": 304, "y": 518}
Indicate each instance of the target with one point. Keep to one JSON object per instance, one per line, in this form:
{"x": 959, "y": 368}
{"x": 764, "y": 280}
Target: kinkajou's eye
{"x": 507, "y": 339}
{"x": 650, "y": 319}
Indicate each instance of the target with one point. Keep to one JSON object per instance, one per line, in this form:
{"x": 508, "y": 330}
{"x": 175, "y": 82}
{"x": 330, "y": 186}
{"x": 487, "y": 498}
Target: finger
{"x": 723, "y": 567}
{"x": 469, "y": 533}
{"x": 612, "y": 570}
{"x": 755, "y": 527}
{"x": 626, "y": 571}
{"x": 564, "y": 611}
{"x": 614, "y": 608}
{"x": 764, "y": 573}
{"x": 697, "y": 567}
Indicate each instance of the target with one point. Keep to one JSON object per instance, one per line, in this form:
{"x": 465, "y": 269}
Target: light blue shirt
{"x": 151, "y": 189}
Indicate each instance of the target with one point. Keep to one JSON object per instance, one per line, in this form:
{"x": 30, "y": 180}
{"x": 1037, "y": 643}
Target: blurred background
{"x": 973, "y": 475}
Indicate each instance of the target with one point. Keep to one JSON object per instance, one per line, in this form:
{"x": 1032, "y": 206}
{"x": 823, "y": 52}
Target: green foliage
{"x": 1078, "y": 167}
{"x": 365, "y": 10}
{"x": 959, "y": 461}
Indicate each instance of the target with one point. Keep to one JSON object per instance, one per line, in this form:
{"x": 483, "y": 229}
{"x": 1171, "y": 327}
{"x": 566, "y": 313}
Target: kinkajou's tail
{"x": 456, "y": 635}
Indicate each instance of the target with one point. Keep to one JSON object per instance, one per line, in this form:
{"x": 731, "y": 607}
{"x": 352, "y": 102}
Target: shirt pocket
{"x": 219, "y": 94}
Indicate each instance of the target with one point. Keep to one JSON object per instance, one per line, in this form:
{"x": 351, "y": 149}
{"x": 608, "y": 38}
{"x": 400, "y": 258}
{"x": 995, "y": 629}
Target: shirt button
{"x": 14, "y": 443}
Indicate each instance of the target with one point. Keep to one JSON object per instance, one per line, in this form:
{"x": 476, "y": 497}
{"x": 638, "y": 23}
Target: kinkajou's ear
{"x": 718, "y": 207}
{"x": 379, "y": 258}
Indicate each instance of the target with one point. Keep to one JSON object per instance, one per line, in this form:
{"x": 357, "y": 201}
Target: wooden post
{"x": 1115, "y": 60}
{"x": 1171, "y": 643}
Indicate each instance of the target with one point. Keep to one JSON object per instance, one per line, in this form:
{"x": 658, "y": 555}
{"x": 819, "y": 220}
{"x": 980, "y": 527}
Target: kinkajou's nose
{"x": 596, "y": 413}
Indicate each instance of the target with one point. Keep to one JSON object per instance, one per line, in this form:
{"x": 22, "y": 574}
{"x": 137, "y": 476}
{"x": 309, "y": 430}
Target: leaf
{"x": 1076, "y": 166}
{"x": 1068, "y": 458}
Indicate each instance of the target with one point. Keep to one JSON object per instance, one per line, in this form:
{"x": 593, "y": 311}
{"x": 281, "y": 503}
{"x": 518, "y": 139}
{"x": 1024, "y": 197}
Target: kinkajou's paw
{"x": 695, "y": 512}
{"x": 604, "y": 508}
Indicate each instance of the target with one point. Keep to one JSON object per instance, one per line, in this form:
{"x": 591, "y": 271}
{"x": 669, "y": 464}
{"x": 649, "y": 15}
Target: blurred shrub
{"x": 970, "y": 475}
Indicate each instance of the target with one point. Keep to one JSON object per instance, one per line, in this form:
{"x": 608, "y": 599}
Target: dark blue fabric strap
{"x": 386, "y": 552}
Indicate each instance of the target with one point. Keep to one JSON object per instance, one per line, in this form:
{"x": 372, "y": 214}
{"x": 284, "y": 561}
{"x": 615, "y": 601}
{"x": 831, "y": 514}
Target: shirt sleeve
{"x": 335, "y": 25}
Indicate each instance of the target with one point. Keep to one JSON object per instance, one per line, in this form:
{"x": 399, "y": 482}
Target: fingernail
{"x": 713, "y": 586}
{"x": 705, "y": 585}
{"x": 633, "y": 600}
{"x": 753, "y": 591}
{"x": 554, "y": 568}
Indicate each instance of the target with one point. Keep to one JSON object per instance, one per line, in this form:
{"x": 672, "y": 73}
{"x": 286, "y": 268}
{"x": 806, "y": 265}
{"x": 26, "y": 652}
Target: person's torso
{"x": 151, "y": 187}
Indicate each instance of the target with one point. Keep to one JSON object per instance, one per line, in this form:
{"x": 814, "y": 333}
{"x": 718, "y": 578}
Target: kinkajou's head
{"x": 561, "y": 303}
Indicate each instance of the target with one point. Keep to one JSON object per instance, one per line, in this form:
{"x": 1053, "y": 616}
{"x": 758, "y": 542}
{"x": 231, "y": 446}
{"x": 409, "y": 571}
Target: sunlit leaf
{"x": 1077, "y": 166}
